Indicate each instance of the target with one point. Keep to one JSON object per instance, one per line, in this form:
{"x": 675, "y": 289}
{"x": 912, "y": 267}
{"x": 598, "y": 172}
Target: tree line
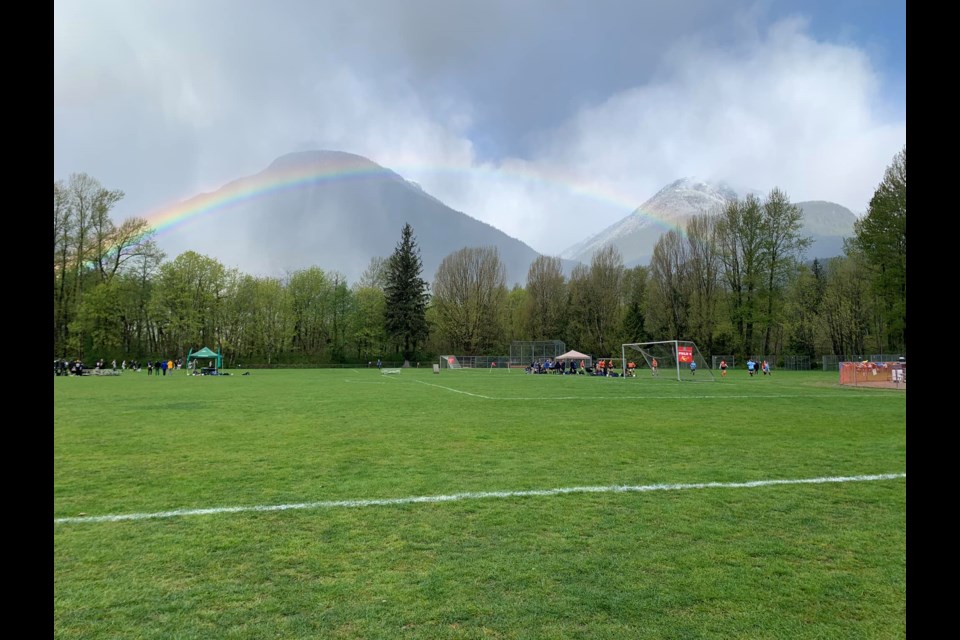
{"x": 734, "y": 280}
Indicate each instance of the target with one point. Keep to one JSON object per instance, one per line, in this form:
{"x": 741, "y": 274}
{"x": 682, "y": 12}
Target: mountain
{"x": 827, "y": 224}
{"x": 336, "y": 211}
{"x": 635, "y": 236}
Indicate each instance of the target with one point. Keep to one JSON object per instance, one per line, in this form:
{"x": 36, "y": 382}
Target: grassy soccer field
{"x": 475, "y": 504}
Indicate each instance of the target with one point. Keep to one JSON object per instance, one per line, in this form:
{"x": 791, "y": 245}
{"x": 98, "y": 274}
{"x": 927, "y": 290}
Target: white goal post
{"x": 669, "y": 359}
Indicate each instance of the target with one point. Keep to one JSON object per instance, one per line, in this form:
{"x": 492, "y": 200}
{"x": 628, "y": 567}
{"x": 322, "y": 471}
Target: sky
{"x": 548, "y": 119}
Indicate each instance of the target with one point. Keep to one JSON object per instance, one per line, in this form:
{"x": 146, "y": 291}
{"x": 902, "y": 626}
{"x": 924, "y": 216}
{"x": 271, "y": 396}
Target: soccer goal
{"x": 669, "y": 359}
{"x": 475, "y": 363}
{"x": 450, "y": 362}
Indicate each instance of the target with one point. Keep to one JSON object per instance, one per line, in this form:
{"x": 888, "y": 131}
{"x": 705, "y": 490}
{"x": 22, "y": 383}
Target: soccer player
{"x": 653, "y": 368}
{"x": 723, "y": 368}
{"x": 693, "y": 368}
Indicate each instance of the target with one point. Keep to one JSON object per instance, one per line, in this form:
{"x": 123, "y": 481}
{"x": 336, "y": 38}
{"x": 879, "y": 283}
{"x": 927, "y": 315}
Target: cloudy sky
{"x": 549, "y": 119}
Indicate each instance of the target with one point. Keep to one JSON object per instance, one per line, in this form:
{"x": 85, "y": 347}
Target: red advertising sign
{"x": 685, "y": 354}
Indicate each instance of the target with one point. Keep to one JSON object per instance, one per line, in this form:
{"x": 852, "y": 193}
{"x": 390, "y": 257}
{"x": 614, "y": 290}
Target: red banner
{"x": 685, "y": 354}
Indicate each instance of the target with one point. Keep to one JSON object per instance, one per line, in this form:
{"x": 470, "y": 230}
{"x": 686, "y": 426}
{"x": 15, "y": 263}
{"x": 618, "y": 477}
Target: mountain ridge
{"x": 338, "y": 210}
{"x": 635, "y": 235}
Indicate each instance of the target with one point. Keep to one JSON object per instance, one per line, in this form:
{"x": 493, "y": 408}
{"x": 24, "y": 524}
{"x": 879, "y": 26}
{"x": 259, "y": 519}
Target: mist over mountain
{"x": 635, "y": 236}
{"x": 336, "y": 211}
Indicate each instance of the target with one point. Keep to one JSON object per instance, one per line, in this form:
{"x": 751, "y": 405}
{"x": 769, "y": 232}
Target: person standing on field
{"x": 653, "y": 368}
{"x": 693, "y": 367}
{"x": 723, "y": 368}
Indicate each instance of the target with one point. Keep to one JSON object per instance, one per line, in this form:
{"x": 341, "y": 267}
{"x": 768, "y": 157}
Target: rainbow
{"x": 291, "y": 173}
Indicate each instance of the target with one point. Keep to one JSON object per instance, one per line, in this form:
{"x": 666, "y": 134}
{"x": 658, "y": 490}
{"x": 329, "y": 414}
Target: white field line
{"x": 466, "y": 393}
{"x": 868, "y": 394}
{"x": 697, "y": 397}
{"x": 475, "y": 496}
{"x": 648, "y": 397}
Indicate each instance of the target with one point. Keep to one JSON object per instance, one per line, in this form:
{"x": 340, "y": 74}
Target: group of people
{"x": 560, "y": 366}
{"x": 570, "y": 367}
{"x": 63, "y": 367}
{"x": 607, "y": 367}
{"x": 161, "y": 367}
{"x": 758, "y": 367}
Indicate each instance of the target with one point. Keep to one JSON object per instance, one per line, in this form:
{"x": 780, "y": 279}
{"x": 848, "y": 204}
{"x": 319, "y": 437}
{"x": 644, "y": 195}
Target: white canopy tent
{"x": 577, "y": 356}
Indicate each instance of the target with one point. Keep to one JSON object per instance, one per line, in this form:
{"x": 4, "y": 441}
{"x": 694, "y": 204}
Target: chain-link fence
{"x": 796, "y": 363}
{"x": 524, "y": 352}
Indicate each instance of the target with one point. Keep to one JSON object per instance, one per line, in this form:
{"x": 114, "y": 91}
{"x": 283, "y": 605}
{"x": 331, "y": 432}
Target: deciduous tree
{"x": 469, "y": 291}
{"x": 546, "y": 299}
{"x": 881, "y": 235}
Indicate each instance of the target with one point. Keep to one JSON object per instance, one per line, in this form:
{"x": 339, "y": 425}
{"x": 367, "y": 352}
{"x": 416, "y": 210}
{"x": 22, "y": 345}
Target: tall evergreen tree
{"x": 405, "y": 316}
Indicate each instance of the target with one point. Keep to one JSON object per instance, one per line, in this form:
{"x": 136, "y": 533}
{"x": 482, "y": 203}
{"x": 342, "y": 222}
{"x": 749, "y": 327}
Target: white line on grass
{"x": 466, "y": 393}
{"x": 475, "y": 496}
{"x": 648, "y": 397}
{"x": 697, "y": 397}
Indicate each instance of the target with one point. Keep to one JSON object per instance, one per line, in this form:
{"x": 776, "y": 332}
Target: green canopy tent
{"x": 207, "y": 354}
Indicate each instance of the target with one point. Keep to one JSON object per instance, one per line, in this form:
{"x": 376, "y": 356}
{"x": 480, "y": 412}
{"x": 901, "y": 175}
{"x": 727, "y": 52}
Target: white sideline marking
{"x": 648, "y": 397}
{"x": 466, "y": 393}
{"x": 751, "y": 397}
{"x": 474, "y": 496}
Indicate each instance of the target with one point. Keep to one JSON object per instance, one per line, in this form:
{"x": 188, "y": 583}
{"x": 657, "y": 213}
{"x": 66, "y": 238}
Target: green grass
{"x": 824, "y": 560}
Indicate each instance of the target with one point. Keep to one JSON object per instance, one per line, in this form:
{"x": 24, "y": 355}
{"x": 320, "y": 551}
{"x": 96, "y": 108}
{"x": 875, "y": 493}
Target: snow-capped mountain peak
{"x": 635, "y": 235}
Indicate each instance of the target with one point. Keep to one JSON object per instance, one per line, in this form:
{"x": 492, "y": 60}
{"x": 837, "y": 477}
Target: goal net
{"x": 471, "y": 363}
{"x": 450, "y": 362}
{"x": 668, "y": 359}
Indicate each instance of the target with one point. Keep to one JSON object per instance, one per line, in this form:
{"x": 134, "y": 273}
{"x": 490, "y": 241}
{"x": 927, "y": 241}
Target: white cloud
{"x": 551, "y": 124}
{"x": 780, "y": 110}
